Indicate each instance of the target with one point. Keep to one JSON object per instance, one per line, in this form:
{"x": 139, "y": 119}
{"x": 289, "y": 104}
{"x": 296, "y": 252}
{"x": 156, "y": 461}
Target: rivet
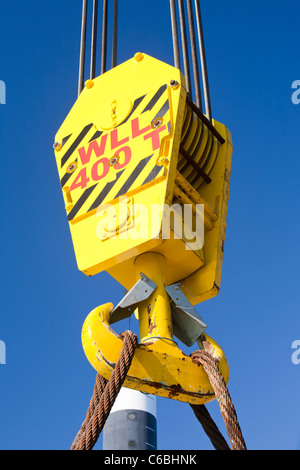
{"x": 139, "y": 56}
{"x": 114, "y": 160}
{"x": 161, "y": 161}
{"x": 89, "y": 84}
{"x": 157, "y": 123}
{"x": 72, "y": 167}
{"x": 174, "y": 84}
{"x": 57, "y": 145}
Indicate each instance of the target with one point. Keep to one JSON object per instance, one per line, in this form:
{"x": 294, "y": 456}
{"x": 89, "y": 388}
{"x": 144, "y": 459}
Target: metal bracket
{"x": 187, "y": 323}
{"x": 140, "y": 291}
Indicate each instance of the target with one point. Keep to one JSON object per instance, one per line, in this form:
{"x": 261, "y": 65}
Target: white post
{"x": 131, "y": 424}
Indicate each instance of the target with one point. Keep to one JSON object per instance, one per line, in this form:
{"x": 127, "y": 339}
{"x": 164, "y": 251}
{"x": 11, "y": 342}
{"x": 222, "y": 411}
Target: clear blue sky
{"x": 253, "y": 58}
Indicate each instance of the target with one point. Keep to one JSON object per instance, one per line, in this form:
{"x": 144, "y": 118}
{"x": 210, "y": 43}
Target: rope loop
{"x": 210, "y": 365}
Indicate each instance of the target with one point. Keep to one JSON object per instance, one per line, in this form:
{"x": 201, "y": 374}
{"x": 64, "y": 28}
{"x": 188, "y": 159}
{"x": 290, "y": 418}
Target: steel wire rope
{"x": 94, "y": 39}
{"x": 82, "y": 47}
{"x": 210, "y": 365}
{"x": 104, "y": 37}
{"x": 198, "y": 99}
{"x": 115, "y": 35}
{"x": 185, "y": 54}
{"x": 105, "y": 394}
{"x": 175, "y": 34}
{"x": 210, "y": 427}
{"x": 203, "y": 61}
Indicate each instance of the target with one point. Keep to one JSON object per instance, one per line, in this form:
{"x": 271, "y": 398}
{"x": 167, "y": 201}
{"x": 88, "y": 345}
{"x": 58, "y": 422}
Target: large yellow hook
{"x": 159, "y": 367}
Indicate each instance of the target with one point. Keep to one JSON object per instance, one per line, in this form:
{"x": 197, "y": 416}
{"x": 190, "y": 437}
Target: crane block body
{"x": 131, "y": 155}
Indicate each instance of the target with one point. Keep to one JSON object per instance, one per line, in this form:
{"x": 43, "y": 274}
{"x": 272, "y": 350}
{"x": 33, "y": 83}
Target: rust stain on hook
{"x": 152, "y": 326}
{"x": 109, "y": 363}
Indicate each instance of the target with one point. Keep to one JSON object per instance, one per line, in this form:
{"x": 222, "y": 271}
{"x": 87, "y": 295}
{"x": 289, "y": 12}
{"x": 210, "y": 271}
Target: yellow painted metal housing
{"x": 134, "y": 140}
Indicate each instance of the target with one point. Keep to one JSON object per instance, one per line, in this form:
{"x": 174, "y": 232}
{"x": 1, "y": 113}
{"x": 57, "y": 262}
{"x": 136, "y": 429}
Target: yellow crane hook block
{"x": 133, "y": 153}
{"x": 145, "y": 179}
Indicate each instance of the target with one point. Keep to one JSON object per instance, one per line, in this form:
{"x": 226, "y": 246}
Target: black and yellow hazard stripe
{"x": 66, "y": 158}
{"x": 111, "y": 190}
{"x": 126, "y": 180}
{"x": 133, "y": 113}
{"x": 68, "y": 154}
{"x": 66, "y": 177}
{"x": 155, "y": 98}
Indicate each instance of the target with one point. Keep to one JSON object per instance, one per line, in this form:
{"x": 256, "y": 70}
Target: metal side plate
{"x": 187, "y": 323}
{"x": 140, "y": 291}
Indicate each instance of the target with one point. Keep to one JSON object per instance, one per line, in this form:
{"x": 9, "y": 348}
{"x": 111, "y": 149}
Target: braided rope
{"x": 104, "y": 396}
{"x": 210, "y": 427}
{"x": 228, "y": 412}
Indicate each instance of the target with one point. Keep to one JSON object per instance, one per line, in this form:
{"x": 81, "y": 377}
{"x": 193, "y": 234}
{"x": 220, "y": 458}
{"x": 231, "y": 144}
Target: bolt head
{"x": 114, "y": 160}
{"x": 157, "y": 123}
{"x": 72, "y": 167}
{"x": 57, "y": 145}
{"x": 174, "y": 84}
{"x": 161, "y": 161}
{"x": 139, "y": 56}
{"x": 89, "y": 84}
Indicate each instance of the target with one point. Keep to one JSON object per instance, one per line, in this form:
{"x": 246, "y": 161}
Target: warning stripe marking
{"x": 163, "y": 110}
{"x": 98, "y": 134}
{"x": 109, "y": 186}
{"x": 105, "y": 191}
{"x": 153, "y": 174}
{"x": 134, "y": 174}
{"x": 155, "y": 98}
{"x": 81, "y": 201}
{"x": 129, "y": 178}
{"x": 65, "y": 140}
{"x": 75, "y": 144}
{"x": 66, "y": 177}
{"x": 135, "y": 105}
